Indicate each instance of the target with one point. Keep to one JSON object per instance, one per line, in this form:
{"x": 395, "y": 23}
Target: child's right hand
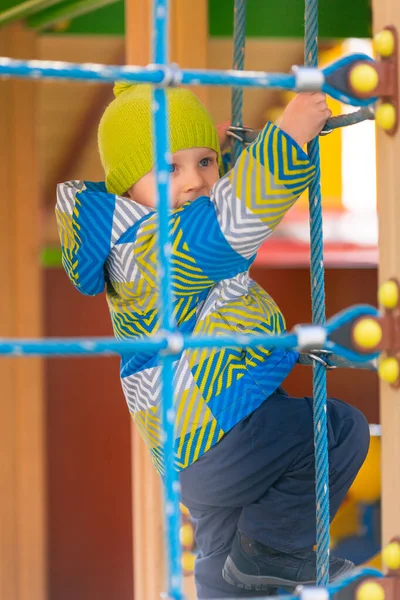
{"x": 305, "y": 116}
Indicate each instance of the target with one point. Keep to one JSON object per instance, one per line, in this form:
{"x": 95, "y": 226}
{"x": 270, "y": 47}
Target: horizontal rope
{"x": 305, "y": 338}
{"x": 363, "y": 114}
{"x": 164, "y": 75}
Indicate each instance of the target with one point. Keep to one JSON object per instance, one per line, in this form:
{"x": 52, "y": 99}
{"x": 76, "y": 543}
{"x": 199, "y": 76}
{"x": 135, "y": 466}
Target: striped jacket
{"x": 109, "y": 242}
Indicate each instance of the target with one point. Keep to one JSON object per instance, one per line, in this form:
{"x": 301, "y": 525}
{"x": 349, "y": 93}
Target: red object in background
{"x": 290, "y": 253}
{"x": 88, "y": 456}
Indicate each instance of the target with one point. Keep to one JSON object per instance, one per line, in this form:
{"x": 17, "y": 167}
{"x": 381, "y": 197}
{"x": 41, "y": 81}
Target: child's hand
{"x": 305, "y": 117}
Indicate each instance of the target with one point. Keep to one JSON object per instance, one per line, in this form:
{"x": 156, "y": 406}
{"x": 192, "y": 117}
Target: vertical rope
{"x": 160, "y": 55}
{"x": 318, "y": 313}
{"x": 239, "y": 43}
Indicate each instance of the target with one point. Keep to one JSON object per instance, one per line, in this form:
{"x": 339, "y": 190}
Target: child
{"x": 244, "y": 447}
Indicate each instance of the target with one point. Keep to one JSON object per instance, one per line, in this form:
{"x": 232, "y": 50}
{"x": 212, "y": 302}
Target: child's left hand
{"x": 305, "y": 116}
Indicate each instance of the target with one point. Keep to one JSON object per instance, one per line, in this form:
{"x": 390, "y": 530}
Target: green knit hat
{"x": 125, "y": 132}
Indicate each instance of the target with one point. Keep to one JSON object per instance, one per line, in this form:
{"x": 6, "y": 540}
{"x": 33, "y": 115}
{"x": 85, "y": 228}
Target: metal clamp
{"x": 246, "y": 135}
{"x": 315, "y": 356}
{"x": 325, "y": 132}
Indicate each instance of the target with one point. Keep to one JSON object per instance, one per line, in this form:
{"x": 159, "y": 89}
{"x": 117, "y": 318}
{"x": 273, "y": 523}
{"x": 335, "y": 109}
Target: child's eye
{"x": 206, "y": 162}
{"x": 172, "y": 168}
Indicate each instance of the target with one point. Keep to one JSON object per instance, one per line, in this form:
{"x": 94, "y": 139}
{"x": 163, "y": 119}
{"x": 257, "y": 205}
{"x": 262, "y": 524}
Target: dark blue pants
{"x": 260, "y": 478}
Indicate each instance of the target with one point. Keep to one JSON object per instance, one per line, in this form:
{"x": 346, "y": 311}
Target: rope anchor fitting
{"x": 380, "y": 78}
{"x": 378, "y": 333}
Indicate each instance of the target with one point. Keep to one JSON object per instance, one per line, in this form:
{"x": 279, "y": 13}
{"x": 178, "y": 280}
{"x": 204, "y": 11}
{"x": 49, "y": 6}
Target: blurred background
{"x": 68, "y": 479}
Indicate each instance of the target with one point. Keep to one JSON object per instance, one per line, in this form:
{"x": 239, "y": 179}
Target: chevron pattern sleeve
{"x": 85, "y": 223}
{"x": 267, "y": 179}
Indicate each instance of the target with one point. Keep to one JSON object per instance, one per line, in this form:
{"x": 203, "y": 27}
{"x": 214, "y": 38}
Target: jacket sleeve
{"x": 267, "y": 179}
{"x": 217, "y": 237}
{"x": 84, "y": 221}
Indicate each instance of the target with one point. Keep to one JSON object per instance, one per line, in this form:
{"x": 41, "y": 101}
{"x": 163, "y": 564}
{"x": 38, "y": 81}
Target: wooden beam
{"x": 189, "y": 35}
{"x": 387, "y": 12}
{"x": 147, "y": 522}
{"x": 189, "y": 38}
{"x": 22, "y": 464}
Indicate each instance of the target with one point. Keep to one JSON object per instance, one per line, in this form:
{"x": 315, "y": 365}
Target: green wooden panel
{"x": 285, "y": 18}
{"x": 109, "y": 20}
{"x": 265, "y": 18}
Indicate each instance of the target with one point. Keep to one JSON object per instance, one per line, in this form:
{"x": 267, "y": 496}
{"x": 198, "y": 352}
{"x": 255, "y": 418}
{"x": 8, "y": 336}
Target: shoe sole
{"x": 234, "y": 577}
{"x": 263, "y": 583}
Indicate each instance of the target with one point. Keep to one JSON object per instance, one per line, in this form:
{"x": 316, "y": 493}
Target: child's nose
{"x": 195, "y": 181}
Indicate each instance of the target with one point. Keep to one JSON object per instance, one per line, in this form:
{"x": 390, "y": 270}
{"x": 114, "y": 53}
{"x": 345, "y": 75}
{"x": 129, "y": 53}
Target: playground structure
{"x": 21, "y": 375}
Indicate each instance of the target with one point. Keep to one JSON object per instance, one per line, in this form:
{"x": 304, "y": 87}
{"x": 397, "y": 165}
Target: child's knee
{"x": 350, "y": 429}
{"x": 361, "y": 433}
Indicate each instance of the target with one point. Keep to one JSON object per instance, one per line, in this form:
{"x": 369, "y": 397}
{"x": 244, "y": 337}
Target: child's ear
{"x": 128, "y": 194}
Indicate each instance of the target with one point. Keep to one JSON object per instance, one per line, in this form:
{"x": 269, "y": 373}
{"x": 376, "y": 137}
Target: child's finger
{"x": 319, "y": 97}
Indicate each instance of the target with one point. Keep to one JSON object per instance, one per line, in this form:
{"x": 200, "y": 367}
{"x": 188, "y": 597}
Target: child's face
{"x": 193, "y": 173}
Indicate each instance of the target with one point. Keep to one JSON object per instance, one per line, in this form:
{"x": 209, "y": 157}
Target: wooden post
{"x": 189, "y": 33}
{"x": 387, "y": 12}
{"x": 22, "y": 465}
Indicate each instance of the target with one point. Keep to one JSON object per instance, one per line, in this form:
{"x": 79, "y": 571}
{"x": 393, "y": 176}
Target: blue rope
{"x": 160, "y": 54}
{"x": 239, "y": 43}
{"x": 318, "y": 314}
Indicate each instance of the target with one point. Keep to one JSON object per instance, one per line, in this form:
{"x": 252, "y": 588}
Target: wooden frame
{"x": 387, "y": 12}
{"x": 22, "y": 418}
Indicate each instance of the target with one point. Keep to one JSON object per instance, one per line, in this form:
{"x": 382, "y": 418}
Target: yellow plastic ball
{"x": 188, "y": 560}
{"x": 184, "y": 510}
{"x": 384, "y": 43}
{"x": 367, "y": 333}
{"x": 186, "y": 535}
{"x": 388, "y": 369}
{"x": 385, "y": 116}
{"x": 364, "y": 78}
{"x": 391, "y": 556}
{"x": 370, "y": 591}
{"x": 366, "y": 487}
{"x": 388, "y": 295}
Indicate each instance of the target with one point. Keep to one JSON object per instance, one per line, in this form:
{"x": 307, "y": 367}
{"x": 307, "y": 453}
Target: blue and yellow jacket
{"x": 109, "y": 243}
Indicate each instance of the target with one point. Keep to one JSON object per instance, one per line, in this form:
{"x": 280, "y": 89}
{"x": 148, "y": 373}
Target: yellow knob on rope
{"x": 385, "y": 116}
{"x": 391, "y": 556}
{"x": 188, "y": 560}
{"x": 388, "y": 294}
{"x": 370, "y": 591}
{"x": 367, "y": 333}
{"x": 384, "y": 43}
{"x": 388, "y": 369}
{"x": 364, "y": 78}
{"x": 186, "y": 535}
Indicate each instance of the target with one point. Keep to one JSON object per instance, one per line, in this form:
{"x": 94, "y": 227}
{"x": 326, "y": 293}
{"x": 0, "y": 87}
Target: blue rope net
{"x": 168, "y": 342}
